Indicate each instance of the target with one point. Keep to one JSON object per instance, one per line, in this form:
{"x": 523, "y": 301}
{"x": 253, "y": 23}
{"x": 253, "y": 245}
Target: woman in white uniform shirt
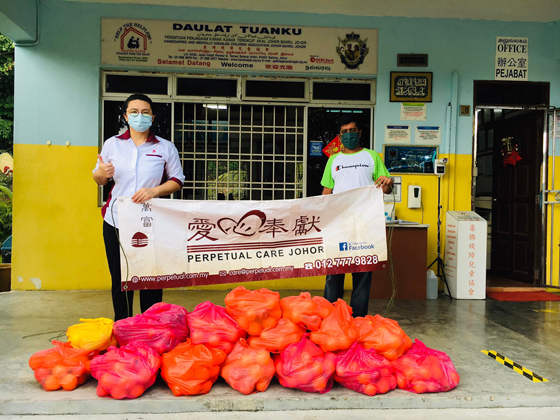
{"x": 137, "y": 161}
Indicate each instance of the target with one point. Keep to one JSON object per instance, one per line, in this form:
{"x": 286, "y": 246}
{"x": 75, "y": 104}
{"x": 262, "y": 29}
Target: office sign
{"x": 512, "y": 58}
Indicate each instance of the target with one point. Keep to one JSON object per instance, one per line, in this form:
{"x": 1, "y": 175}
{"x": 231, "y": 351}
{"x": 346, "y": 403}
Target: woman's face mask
{"x": 140, "y": 122}
{"x": 350, "y": 140}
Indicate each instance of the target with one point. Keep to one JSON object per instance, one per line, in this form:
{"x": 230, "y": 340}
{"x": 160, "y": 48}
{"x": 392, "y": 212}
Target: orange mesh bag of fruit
{"x": 278, "y": 338}
{"x": 306, "y": 367}
{"x": 161, "y": 327}
{"x": 92, "y": 334}
{"x": 422, "y": 369}
{"x": 191, "y": 369}
{"x": 248, "y": 370}
{"x": 338, "y": 331}
{"x": 254, "y": 310}
{"x": 61, "y": 366}
{"x": 384, "y": 335}
{"x": 364, "y": 371}
{"x": 211, "y": 325}
{"x": 126, "y": 372}
{"x": 306, "y": 311}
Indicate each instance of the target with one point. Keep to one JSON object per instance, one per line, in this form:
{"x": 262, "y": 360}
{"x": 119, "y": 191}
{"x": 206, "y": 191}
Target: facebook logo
{"x": 343, "y": 246}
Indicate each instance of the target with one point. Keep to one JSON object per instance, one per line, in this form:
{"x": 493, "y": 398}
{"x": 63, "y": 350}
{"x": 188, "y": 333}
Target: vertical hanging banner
{"x": 512, "y": 58}
{"x": 176, "y": 243}
{"x": 238, "y": 47}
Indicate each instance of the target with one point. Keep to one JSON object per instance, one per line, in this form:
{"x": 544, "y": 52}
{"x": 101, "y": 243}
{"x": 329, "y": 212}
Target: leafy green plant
{"x": 6, "y": 92}
{"x": 6, "y": 196}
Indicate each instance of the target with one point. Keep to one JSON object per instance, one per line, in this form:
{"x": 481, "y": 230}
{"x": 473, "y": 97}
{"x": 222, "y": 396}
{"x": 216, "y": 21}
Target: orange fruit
{"x": 69, "y": 382}
{"x": 51, "y": 383}
{"x": 59, "y": 371}
{"x": 419, "y": 387}
{"x": 370, "y": 389}
{"x": 136, "y": 391}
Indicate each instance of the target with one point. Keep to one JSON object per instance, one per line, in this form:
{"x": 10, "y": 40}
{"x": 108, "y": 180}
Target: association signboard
{"x": 236, "y": 47}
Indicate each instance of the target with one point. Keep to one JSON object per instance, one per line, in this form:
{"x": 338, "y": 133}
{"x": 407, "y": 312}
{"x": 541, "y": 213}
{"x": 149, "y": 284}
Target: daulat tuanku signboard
{"x": 175, "y": 243}
{"x": 238, "y": 47}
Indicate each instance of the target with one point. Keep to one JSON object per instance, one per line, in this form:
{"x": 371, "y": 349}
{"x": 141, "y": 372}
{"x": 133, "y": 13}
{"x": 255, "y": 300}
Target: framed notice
{"x": 428, "y": 135}
{"x": 411, "y": 86}
{"x": 410, "y": 159}
{"x": 397, "y": 134}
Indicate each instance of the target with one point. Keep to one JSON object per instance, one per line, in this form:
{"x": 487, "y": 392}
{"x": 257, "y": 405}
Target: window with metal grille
{"x": 240, "y": 152}
{"x": 207, "y": 87}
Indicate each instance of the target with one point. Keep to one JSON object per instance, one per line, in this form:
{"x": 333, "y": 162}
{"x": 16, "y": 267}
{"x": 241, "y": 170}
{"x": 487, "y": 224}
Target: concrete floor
{"x": 526, "y": 332}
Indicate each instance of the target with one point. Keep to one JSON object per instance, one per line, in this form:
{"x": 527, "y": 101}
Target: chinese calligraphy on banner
{"x": 512, "y": 58}
{"x": 465, "y": 255}
{"x": 190, "y": 243}
{"x": 238, "y": 47}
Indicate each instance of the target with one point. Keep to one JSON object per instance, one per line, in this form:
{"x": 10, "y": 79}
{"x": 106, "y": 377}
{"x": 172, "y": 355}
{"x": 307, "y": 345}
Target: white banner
{"x": 175, "y": 243}
{"x": 238, "y": 47}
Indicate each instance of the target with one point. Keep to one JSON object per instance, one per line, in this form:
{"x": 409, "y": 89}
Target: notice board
{"x": 410, "y": 159}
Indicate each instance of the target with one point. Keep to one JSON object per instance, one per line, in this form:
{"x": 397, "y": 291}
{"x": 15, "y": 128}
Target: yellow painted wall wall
{"x": 552, "y": 273}
{"x": 57, "y": 225}
{"x": 58, "y": 243}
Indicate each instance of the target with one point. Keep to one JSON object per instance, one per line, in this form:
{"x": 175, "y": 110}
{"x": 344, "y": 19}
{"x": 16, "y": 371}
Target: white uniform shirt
{"x": 145, "y": 166}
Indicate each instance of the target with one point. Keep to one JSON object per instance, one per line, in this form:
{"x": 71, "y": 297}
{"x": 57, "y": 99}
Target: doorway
{"x": 507, "y": 179}
{"x": 321, "y": 127}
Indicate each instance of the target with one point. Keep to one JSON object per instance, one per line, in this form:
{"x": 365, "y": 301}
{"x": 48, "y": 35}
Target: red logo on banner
{"x": 139, "y": 240}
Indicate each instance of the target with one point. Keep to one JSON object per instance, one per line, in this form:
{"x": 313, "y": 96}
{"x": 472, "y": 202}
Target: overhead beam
{"x": 18, "y": 20}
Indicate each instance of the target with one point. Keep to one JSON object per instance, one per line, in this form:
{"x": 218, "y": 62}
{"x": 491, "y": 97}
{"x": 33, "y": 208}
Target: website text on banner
{"x": 176, "y": 243}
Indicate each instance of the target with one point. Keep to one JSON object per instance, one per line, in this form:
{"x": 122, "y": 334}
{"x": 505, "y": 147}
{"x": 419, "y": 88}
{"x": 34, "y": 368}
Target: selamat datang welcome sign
{"x": 176, "y": 243}
{"x": 226, "y": 47}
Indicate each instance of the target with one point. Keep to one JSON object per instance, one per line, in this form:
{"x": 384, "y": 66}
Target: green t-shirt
{"x": 346, "y": 171}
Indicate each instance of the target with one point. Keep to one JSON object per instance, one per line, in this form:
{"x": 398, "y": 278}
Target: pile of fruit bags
{"x": 306, "y": 342}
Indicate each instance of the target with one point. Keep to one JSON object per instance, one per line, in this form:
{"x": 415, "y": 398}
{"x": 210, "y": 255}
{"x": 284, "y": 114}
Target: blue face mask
{"x": 350, "y": 140}
{"x": 140, "y": 122}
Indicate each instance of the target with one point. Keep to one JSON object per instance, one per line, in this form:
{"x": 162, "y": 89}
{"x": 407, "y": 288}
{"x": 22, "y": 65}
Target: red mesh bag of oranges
{"x": 161, "y": 327}
{"x": 338, "y": 331}
{"x": 61, "y": 366}
{"x": 211, "y": 325}
{"x": 254, "y": 310}
{"x": 305, "y": 310}
{"x": 384, "y": 335}
{"x": 278, "y": 338}
{"x": 126, "y": 372}
{"x": 422, "y": 369}
{"x": 306, "y": 367}
{"x": 248, "y": 370}
{"x": 191, "y": 369}
{"x": 364, "y": 371}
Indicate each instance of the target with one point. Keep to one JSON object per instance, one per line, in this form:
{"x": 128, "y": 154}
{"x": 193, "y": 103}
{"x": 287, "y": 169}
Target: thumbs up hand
{"x": 107, "y": 170}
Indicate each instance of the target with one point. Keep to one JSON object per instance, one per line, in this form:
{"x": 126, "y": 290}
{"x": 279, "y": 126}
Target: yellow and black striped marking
{"x": 514, "y": 366}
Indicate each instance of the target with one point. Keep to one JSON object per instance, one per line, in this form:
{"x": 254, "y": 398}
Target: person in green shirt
{"x": 354, "y": 167}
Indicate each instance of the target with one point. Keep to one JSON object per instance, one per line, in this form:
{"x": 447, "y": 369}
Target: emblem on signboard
{"x": 352, "y": 50}
{"x": 133, "y": 37}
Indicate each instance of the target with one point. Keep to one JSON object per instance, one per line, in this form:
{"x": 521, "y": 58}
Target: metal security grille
{"x": 240, "y": 152}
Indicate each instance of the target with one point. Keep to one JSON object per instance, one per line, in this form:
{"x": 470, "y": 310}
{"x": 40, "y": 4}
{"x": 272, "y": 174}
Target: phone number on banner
{"x": 343, "y": 262}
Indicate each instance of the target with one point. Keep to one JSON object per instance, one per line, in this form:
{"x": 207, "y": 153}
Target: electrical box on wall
{"x": 414, "y": 197}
